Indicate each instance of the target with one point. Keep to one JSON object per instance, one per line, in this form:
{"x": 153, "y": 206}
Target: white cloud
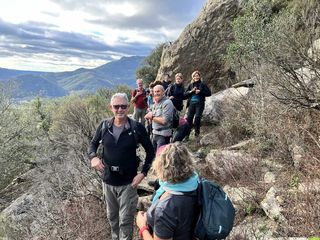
{"x": 67, "y": 34}
{"x": 126, "y": 9}
{"x": 17, "y": 11}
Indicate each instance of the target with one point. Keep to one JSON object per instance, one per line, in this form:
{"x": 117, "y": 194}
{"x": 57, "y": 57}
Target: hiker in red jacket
{"x": 139, "y": 100}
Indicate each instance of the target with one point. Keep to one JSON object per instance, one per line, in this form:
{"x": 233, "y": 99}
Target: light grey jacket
{"x": 164, "y": 108}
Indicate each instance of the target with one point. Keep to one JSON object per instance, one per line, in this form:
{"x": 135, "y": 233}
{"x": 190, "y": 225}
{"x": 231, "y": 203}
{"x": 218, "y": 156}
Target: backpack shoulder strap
{"x": 105, "y": 125}
{"x": 133, "y": 93}
{"x": 135, "y": 130}
{"x": 168, "y": 90}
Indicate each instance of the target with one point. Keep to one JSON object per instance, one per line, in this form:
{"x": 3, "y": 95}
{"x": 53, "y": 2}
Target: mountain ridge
{"x": 55, "y": 84}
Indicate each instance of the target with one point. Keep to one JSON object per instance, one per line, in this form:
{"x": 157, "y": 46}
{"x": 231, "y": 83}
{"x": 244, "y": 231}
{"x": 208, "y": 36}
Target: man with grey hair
{"x": 139, "y": 100}
{"x": 161, "y": 116}
{"x": 119, "y": 137}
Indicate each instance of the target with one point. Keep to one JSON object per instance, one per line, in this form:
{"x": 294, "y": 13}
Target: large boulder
{"x": 219, "y": 103}
{"x": 226, "y": 165}
{"x": 240, "y": 196}
{"x": 254, "y": 228}
{"x": 271, "y": 205}
{"x": 202, "y": 43}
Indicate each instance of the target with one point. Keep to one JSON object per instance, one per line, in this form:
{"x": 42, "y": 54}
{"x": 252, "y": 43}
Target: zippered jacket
{"x": 123, "y": 153}
{"x": 204, "y": 92}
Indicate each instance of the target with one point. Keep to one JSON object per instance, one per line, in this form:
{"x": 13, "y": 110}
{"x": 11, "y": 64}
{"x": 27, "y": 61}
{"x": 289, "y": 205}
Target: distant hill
{"x": 109, "y": 75}
{"x": 6, "y": 74}
{"x": 31, "y": 85}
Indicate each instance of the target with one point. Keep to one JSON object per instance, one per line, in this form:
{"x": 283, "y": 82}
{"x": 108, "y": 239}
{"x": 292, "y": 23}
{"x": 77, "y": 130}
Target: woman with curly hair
{"x": 174, "y": 206}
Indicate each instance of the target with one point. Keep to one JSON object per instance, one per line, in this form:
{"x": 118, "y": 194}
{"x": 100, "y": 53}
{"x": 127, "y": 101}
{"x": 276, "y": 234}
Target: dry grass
{"x": 276, "y": 129}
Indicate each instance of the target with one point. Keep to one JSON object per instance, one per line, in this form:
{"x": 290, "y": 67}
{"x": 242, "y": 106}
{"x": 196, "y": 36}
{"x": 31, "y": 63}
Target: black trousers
{"x": 181, "y": 132}
{"x": 158, "y": 141}
{"x": 195, "y": 111}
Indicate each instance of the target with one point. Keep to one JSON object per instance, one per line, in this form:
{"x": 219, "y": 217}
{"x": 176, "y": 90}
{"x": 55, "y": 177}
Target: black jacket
{"x": 177, "y": 91}
{"x": 165, "y": 84}
{"x": 122, "y": 154}
{"x": 204, "y": 91}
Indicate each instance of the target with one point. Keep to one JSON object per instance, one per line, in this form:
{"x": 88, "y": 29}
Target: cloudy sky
{"x": 60, "y": 35}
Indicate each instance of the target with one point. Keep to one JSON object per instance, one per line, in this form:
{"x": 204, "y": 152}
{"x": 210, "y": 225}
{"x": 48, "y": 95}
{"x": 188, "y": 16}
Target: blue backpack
{"x": 216, "y": 216}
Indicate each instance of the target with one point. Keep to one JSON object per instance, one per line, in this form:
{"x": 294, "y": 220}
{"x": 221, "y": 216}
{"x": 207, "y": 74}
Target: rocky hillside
{"x": 203, "y": 44}
{"x": 260, "y": 138}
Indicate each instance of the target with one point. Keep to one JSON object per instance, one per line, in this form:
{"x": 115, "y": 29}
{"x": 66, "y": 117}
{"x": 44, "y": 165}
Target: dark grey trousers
{"x": 138, "y": 115}
{"x": 121, "y": 204}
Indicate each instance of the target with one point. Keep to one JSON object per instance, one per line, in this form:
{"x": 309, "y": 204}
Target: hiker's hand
{"x": 197, "y": 91}
{"x": 141, "y": 219}
{"x": 193, "y": 89}
{"x": 171, "y": 97}
{"x": 97, "y": 164}
{"x": 148, "y": 115}
{"x": 137, "y": 179}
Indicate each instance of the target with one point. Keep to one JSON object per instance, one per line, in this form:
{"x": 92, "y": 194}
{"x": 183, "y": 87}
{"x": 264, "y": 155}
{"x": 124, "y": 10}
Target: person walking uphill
{"x": 139, "y": 100}
{"x": 119, "y": 137}
{"x": 196, "y": 92}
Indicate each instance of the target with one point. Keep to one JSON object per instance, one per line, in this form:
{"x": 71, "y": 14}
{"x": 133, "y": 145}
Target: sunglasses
{"x": 120, "y": 106}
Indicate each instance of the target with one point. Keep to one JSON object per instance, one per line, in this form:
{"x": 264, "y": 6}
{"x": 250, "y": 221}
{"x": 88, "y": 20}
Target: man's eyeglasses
{"x": 120, "y": 106}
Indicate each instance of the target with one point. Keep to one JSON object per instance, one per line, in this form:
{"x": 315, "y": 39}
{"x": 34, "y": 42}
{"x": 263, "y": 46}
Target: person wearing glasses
{"x": 119, "y": 165}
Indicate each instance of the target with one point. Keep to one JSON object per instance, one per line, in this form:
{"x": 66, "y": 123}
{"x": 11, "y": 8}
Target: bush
{"x": 272, "y": 40}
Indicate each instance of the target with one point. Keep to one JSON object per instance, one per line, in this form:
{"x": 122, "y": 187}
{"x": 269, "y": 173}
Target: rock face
{"x": 201, "y": 45}
{"x": 225, "y": 164}
{"x": 218, "y": 103}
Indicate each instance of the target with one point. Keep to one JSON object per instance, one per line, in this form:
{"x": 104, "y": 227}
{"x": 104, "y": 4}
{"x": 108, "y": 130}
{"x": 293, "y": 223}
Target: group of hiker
{"x": 163, "y": 101}
{"x": 119, "y": 137}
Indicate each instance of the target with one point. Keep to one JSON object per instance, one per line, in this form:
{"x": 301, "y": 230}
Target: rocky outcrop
{"x": 201, "y": 45}
{"x": 219, "y": 103}
{"x": 254, "y": 228}
{"x": 240, "y": 196}
{"x": 226, "y": 164}
{"x": 272, "y": 205}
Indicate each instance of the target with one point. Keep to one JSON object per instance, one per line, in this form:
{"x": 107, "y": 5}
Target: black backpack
{"x": 176, "y": 116}
{"x": 216, "y": 216}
